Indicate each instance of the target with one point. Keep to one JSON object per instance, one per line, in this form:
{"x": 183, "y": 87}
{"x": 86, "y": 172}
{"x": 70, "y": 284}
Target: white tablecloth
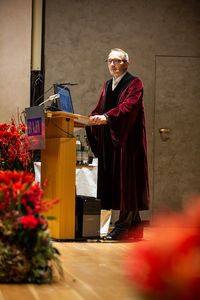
{"x": 86, "y": 179}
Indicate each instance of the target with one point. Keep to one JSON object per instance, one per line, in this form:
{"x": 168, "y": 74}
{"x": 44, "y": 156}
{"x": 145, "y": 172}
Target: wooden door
{"x": 176, "y": 132}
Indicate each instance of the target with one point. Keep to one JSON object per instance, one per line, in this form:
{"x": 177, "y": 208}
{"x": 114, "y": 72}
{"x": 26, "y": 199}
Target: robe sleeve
{"x": 94, "y": 132}
{"x": 125, "y": 114}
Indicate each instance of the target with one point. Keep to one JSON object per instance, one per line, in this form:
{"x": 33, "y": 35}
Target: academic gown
{"x": 121, "y": 146}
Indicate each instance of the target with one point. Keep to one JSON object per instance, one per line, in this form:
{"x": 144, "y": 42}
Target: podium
{"x": 58, "y": 166}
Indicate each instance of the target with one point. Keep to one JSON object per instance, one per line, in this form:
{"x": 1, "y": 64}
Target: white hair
{"x": 126, "y": 57}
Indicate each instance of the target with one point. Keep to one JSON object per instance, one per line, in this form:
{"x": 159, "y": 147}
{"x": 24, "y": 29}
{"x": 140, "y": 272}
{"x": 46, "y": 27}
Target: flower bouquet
{"x": 14, "y": 153}
{"x": 26, "y": 251}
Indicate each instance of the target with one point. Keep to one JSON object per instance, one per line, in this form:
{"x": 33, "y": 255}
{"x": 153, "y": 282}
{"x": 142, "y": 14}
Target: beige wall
{"x": 79, "y": 35}
{"x": 15, "y": 53}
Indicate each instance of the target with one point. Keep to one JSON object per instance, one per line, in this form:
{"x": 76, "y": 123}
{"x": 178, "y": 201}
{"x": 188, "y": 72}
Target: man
{"x": 119, "y": 142}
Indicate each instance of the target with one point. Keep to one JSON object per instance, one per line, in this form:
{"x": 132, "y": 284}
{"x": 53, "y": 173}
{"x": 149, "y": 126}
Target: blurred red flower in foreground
{"x": 168, "y": 266}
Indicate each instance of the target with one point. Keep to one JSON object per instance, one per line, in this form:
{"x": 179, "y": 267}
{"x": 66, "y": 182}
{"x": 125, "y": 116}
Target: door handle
{"x": 164, "y": 130}
{"x": 164, "y": 134}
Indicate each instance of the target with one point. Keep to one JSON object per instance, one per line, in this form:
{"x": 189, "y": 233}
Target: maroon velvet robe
{"x": 121, "y": 148}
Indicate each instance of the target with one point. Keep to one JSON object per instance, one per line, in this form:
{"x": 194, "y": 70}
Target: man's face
{"x": 116, "y": 64}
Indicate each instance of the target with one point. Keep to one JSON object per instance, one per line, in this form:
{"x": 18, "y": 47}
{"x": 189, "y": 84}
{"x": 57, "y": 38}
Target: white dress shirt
{"x": 115, "y": 81}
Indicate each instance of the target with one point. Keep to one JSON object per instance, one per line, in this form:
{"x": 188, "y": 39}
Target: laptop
{"x": 64, "y": 102}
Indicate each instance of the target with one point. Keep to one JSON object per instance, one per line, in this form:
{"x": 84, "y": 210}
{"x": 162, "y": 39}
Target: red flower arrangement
{"x": 14, "y": 154}
{"x": 168, "y": 266}
{"x": 26, "y": 251}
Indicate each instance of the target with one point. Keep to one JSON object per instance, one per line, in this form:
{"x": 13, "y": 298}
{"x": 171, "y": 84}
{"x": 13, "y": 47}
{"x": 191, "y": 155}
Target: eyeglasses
{"x": 114, "y": 61}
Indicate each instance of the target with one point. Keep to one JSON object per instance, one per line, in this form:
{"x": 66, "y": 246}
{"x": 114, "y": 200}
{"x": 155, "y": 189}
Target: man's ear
{"x": 126, "y": 63}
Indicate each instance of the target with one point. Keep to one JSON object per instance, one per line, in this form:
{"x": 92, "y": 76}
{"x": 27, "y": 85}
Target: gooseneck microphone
{"x": 51, "y": 98}
{"x": 37, "y": 101}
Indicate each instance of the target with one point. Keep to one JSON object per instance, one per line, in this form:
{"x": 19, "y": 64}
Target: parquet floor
{"x": 92, "y": 271}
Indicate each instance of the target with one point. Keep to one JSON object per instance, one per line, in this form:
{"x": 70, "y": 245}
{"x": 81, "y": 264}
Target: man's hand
{"x": 98, "y": 120}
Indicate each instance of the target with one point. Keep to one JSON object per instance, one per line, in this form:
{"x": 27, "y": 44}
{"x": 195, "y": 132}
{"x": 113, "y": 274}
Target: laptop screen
{"x": 64, "y": 102}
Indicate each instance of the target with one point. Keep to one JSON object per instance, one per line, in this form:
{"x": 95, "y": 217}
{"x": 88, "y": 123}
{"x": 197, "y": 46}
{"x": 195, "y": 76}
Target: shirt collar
{"x": 115, "y": 81}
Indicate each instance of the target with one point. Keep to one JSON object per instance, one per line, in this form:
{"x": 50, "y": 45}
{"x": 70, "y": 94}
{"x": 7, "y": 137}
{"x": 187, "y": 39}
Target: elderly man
{"x": 119, "y": 142}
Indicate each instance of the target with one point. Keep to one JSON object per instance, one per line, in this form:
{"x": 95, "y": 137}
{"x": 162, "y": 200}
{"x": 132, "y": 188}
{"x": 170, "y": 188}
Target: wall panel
{"x": 15, "y": 55}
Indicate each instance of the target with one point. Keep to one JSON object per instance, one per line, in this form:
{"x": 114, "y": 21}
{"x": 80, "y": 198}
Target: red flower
{"x": 168, "y": 266}
{"x": 29, "y": 221}
{"x": 19, "y": 191}
{"x": 14, "y": 153}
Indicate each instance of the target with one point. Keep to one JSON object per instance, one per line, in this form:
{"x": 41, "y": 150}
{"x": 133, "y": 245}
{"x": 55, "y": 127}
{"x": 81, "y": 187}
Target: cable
{"x": 68, "y": 134}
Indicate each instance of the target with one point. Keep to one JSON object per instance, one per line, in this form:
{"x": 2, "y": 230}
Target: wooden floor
{"x": 92, "y": 271}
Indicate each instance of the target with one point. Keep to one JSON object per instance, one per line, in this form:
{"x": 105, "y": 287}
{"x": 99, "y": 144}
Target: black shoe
{"x": 136, "y": 233}
{"x": 118, "y": 233}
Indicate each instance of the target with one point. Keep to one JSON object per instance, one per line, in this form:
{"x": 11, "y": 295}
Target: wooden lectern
{"x": 58, "y": 166}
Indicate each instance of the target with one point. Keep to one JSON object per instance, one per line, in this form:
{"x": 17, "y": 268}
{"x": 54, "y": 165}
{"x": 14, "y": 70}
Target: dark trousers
{"x": 128, "y": 219}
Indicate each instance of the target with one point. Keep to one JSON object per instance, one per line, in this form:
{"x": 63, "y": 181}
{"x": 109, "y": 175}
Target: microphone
{"x": 51, "y": 98}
